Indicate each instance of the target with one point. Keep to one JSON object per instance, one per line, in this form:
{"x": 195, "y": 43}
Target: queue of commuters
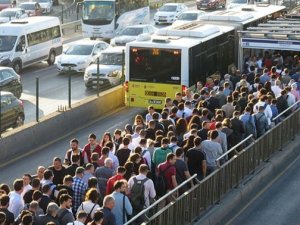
{"x": 113, "y": 178}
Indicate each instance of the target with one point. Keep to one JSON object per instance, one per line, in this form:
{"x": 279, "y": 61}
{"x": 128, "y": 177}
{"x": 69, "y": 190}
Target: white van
{"x": 30, "y": 40}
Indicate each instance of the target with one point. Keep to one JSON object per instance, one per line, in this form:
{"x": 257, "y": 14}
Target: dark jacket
{"x": 238, "y": 130}
{"x": 282, "y": 105}
{"x": 44, "y": 219}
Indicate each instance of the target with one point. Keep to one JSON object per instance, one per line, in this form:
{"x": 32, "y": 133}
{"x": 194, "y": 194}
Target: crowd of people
{"x": 110, "y": 180}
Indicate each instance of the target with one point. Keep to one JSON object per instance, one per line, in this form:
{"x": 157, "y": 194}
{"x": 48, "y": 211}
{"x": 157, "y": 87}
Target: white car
{"x": 80, "y": 55}
{"x": 110, "y": 68}
{"x": 46, "y": 5}
{"x": 32, "y": 8}
{"x": 169, "y": 12}
{"x": 188, "y": 16}
{"x": 131, "y": 33}
{"x": 9, "y": 14}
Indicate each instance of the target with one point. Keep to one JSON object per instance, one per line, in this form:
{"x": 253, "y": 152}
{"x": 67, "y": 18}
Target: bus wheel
{"x": 17, "y": 67}
{"x": 51, "y": 58}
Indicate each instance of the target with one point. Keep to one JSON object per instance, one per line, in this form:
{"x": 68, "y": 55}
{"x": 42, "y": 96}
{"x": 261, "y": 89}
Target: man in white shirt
{"x": 81, "y": 218}
{"x": 149, "y": 193}
{"x": 26, "y": 183}
{"x": 276, "y": 88}
{"x": 16, "y": 203}
{"x": 268, "y": 111}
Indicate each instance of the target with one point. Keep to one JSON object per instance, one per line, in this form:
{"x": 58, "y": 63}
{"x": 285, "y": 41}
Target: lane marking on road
{"x": 262, "y": 191}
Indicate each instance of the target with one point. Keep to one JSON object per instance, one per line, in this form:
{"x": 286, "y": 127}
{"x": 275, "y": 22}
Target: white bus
{"x": 30, "y": 40}
{"x": 102, "y": 18}
{"x": 175, "y": 59}
{"x": 244, "y": 16}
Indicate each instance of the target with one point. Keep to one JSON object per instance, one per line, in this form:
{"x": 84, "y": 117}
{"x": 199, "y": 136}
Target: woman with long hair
{"x": 139, "y": 121}
{"x": 180, "y": 130}
{"x": 90, "y": 205}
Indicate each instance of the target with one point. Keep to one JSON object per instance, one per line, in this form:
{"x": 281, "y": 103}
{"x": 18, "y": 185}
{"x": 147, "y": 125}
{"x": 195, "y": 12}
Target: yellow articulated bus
{"x": 173, "y": 60}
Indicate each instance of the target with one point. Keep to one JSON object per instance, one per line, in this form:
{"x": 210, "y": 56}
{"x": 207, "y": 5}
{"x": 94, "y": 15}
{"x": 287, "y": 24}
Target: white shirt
{"x": 114, "y": 159}
{"x": 25, "y": 189}
{"x": 147, "y": 156}
{"x": 276, "y": 90}
{"x": 87, "y": 206}
{"x": 16, "y": 203}
{"x": 149, "y": 187}
{"x": 291, "y": 99}
{"x": 75, "y": 223}
{"x": 267, "y": 111}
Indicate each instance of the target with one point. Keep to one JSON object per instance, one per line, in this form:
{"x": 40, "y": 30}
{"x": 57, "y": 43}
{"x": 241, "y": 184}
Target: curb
{"x": 237, "y": 198}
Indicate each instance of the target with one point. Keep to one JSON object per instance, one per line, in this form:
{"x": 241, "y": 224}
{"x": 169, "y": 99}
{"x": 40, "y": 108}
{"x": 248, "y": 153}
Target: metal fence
{"x": 209, "y": 191}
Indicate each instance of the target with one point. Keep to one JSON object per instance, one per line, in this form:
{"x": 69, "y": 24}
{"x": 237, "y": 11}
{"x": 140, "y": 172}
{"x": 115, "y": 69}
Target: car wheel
{"x": 19, "y": 120}
{"x": 51, "y": 58}
{"x": 17, "y": 67}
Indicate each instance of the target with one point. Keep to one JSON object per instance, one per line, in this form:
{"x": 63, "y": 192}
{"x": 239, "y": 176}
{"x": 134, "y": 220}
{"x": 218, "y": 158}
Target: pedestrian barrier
{"x": 209, "y": 191}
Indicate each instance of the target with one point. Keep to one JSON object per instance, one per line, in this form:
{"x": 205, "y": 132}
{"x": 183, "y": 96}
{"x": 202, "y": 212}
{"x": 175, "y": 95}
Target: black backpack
{"x": 161, "y": 182}
{"x": 137, "y": 194}
{"x": 89, "y": 217}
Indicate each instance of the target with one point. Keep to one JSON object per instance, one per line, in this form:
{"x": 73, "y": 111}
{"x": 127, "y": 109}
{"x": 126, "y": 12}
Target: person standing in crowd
{"x": 88, "y": 172}
{"x": 26, "y": 182}
{"x": 79, "y": 188}
{"x": 70, "y": 170}
{"x": 124, "y": 152}
{"x": 90, "y": 204}
{"x": 122, "y": 206}
{"x": 102, "y": 174}
{"x": 196, "y": 160}
{"x": 160, "y": 154}
{"x": 36, "y": 185}
{"x": 16, "y": 202}
{"x": 40, "y": 172}
{"x": 111, "y": 181}
{"x": 98, "y": 219}
{"x": 80, "y": 219}
{"x": 108, "y": 205}
{"x": 238, "y": 129}
{"x": 182, "y": 172}
{"x": 212, "y": 150}
{"x": 2, "y": 218}
{"x": 59, "y": 171}
{"x": 50, "y": 216}
{"x": 4, "y": 202}
{"x": 74, "y": 150}
{"x": 261, "y": 122}
{"x": 64, "y": 215}
{"x": 91, "y": 147}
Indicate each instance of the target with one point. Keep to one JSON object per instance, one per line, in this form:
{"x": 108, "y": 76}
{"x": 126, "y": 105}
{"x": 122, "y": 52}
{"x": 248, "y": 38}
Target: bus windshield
{"x": 98, "y": 11}
{"x": 111, "y": 59}
{"x": 149, "y": 65}
{"x": 7, "y": 43}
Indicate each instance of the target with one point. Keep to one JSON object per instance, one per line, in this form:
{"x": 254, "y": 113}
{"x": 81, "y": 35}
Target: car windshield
{"x": 43, "y": 1}
{"x": 7, "y": 43}
{"x": 132, "y": 31}
{"x": 27, "y": 6}
{"x": 168, "y": 8}
{"x": 80, "y": 50}
{"x": 239, "y": 1}
{"x": 7, "y": 13}
{"x": 188, "y": 16}
{"x": 111, "y": 58}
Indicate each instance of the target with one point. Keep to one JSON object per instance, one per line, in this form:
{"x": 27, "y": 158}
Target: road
{"x": 29, "y": 163}
{"x": 278, "y": 204}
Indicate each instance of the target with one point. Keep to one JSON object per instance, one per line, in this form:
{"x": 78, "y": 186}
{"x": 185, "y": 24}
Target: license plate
{"x": 100, "y": 82}
{"x": 156, "y": 102}
{"x": 204, "y": 4}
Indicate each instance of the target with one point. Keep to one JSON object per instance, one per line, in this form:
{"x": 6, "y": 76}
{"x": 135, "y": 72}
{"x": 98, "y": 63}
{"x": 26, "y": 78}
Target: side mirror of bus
{"x": 78, "y": 7}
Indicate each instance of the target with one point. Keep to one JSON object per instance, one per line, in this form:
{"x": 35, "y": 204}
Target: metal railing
{"x": 209, "y": 191}
{"x": 145, "y": 211}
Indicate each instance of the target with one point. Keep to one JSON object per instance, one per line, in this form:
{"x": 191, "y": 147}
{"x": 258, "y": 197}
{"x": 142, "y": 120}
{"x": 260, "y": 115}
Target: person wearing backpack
{"x": 122, "y": 206}
{"x": 64, "y": 214}
{"x": 249, "y": 123}
{"x": 166, "y": 176}
{"x": 261, "y": 122}
{"x": 89, "y": 206}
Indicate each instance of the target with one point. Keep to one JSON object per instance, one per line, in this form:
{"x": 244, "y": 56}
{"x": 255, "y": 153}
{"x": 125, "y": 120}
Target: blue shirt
{"x": 79, "y": 188}
{"x": 264, "y": 78}
{"x": 118, "y": 209}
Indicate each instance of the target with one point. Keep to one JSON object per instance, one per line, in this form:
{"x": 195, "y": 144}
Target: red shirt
{"x": 171, "y": 171}
{"x": 110, "y": 183}
{"x": 88, "y": 153}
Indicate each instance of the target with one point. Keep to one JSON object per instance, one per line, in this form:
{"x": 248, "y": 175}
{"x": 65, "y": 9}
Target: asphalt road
{"x": 28, "y": 163}
{"x": 277, "y": 204}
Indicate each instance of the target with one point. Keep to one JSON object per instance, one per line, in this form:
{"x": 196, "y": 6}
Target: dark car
{"x": 5, "y": 4}
{"x": 12, "y": 111}
{"x": 210, "y": 4}
{"x": 10, "y": 81}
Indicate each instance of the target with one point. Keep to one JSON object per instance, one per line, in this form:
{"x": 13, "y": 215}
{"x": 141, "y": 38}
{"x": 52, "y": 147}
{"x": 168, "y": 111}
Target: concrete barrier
{"x": 33, "y": 135}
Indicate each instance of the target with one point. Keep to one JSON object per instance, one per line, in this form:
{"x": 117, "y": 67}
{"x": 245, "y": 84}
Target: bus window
{"x": 148, "y": 65}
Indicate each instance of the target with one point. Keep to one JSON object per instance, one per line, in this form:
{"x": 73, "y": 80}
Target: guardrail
{"x": 210, "y": 190}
